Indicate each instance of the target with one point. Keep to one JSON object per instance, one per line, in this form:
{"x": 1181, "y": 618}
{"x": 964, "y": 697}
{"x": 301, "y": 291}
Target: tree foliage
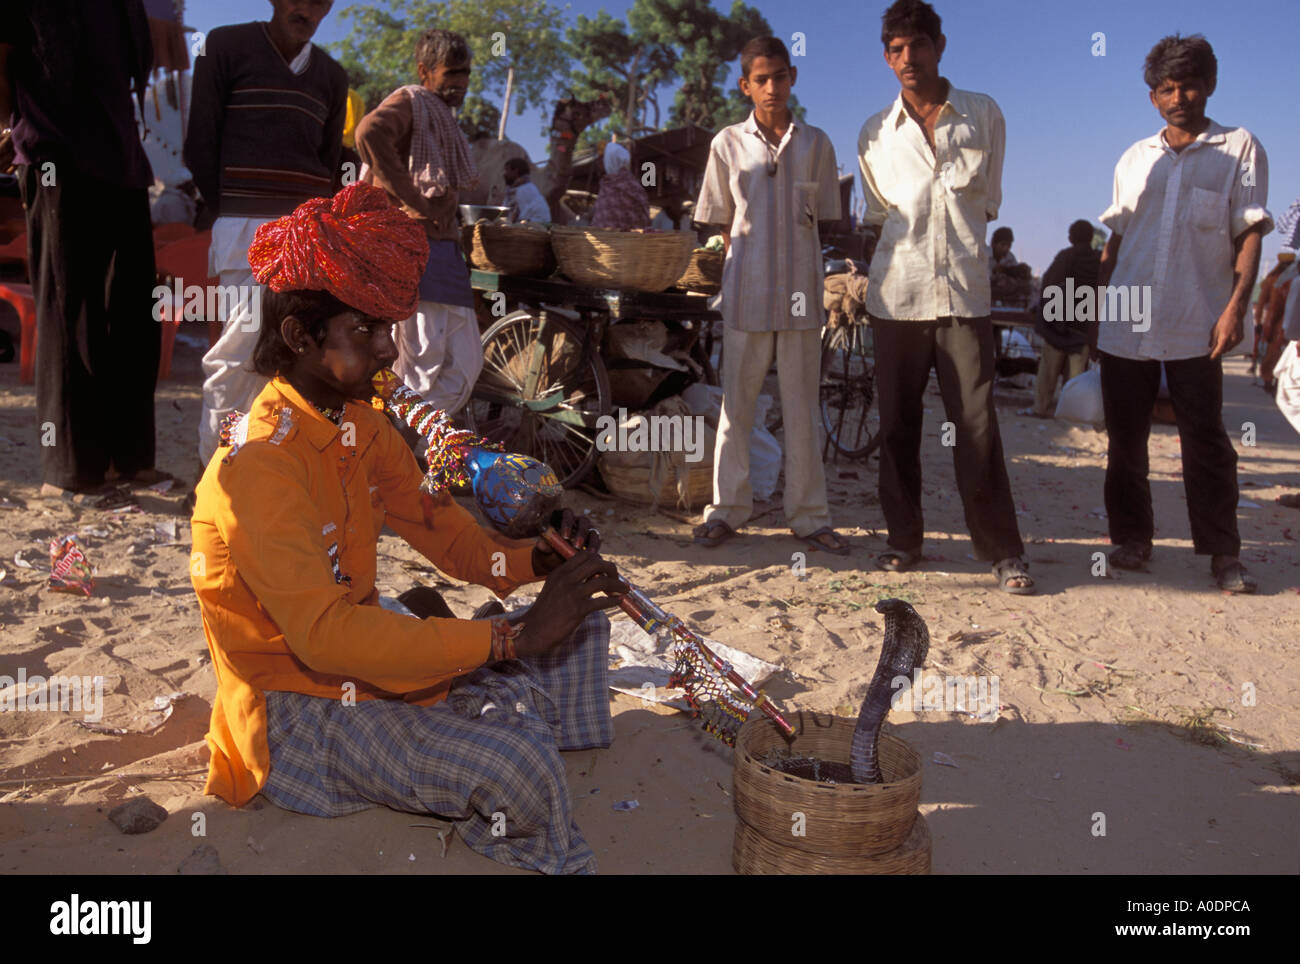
{"x": 379, "y": 51}
{"x": 608, "y": 59}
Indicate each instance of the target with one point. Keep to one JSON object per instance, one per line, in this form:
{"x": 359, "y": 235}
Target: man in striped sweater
{"x": 265, "y": 134}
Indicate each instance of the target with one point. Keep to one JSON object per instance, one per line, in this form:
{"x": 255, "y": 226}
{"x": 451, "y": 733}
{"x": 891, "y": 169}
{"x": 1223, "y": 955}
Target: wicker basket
{"x": 622, "y": 259}
{"x": 633, "y": 484}
{"x": 755, "y": 854}
{"x": 704, "y": 273}
{"x": 841, "y": 820}
{"x": 508, "y": 249}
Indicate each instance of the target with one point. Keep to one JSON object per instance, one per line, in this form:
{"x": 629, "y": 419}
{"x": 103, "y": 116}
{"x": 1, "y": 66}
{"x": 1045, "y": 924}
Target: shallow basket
{"x": 622, "y": 259}
{"x": 841, "y": 820}
{"x": 704, "y": 273}
{"x": 508, "y": 248}
{"x": 633, "y": 484}
{"x": 755, "y": 854}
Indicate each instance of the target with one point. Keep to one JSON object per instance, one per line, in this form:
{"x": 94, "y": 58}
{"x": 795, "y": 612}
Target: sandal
{"x": 1013, "y": 570}
{"x": 896, "y": 560}
{"x": 703, "y": 537}
{"x": 1132, "y": 556}
{"x": 1290, "y": 500}
{"x": 813, "y": 539}
{"x": 1231, "y": 577}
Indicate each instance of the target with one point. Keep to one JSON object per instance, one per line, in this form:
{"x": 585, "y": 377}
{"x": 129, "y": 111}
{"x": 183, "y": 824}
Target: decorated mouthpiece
{"x": 516, "y": 493}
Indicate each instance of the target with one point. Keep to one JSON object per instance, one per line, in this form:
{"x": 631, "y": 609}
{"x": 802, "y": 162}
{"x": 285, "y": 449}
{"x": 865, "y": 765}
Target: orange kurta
{"x": 275, "y": 613}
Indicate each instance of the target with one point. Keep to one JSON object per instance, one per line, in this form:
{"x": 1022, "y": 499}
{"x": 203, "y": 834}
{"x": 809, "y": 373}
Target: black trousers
{"x": 90, "y": 249}
{"x": 1128, "y": 391}
{"x": 960, "y": 350}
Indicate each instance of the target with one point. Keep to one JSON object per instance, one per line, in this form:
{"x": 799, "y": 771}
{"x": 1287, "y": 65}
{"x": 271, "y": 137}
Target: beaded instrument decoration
{"x": 518, "y": 494}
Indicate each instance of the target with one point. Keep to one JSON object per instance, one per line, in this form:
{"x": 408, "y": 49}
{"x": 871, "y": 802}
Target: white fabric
{"x": 1287, "y": 373}
{"x": 748, "y": 357}
{"x": 616, "y": 158}
{"x": 1081, "y": 399}
{"x": 933, "y": 206}
{"x": 440, "y": 354}
{"x": 772, "y": 277}
{"x": 1178, "y": 213}
{"x": 531, "y": 206}
{"x": 300, "y": 62}
{"x": 228, "y": 249}
{"x": 229, "y": 382}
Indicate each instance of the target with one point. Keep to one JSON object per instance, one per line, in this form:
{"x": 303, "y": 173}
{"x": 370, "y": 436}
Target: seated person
{"x": 328, "y": 703}
{"x": 1009, "y": 279}
{"x": 522, "y": 197}
{"x": 622, "y": 203}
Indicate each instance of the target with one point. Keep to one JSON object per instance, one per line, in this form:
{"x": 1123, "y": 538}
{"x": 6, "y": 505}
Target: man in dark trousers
{"x": 1188, "y": 215}
{"x": 932, "y": 177}
{"x": 1065, "y": 342}
{"x": 68, "y": 69}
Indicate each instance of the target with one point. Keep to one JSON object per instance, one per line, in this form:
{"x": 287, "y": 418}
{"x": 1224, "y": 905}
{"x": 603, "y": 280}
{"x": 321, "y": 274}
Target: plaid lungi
{"x": 486, "y": 758}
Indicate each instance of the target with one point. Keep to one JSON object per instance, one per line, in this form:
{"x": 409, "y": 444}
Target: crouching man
{"x": 328, "y": 703}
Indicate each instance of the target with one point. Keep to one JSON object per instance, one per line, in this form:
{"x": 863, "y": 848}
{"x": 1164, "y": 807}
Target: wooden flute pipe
{"x": 629, "y": 604}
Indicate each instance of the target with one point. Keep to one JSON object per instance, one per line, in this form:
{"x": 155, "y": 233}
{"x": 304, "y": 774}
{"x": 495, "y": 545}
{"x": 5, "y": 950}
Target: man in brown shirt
{"x": 413, "y": 149}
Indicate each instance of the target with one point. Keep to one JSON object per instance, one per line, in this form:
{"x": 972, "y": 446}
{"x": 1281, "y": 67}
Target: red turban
{"x": 355, "y": 245}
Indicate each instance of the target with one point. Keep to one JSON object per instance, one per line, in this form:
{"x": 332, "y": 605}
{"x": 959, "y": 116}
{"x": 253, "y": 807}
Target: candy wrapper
{"x": 69, "y": 568}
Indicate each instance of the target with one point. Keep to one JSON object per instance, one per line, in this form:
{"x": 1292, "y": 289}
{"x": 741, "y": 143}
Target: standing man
{"x": 415, "y": 150}
{"x": 932, "y": 176}
{"x": 1065, "y": 343}
{"x": 1187, "y": 218}
{"x": 265, "y": 134}
{"x": 768, "y": 183}
{"x": 67, "y": 69}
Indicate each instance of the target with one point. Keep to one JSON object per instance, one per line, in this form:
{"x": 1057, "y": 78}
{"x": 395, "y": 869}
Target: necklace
{"x": 335, "y": 415}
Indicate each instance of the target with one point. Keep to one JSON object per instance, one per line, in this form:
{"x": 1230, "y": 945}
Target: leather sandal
{"x": 898, "y": 560}
{"x": 1132, "y": 556}
{"x": 1010, "y": 570}
{"x": 1232, "y": 577}
{"x": 701, "y": 533}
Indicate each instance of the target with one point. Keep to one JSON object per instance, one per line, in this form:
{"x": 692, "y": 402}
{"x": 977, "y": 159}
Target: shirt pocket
{"x": 968, "y": 159}
{"x": 805, "y": 203}
{"x": 1206, "y": 210}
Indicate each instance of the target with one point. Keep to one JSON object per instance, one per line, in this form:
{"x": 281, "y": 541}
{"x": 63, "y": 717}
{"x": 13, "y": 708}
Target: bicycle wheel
{"x": 848, "y": 389}
{"x": 541, "y": 392}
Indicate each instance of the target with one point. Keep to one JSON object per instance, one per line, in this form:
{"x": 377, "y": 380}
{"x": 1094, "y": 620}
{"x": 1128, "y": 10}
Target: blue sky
{"x": 1069, "y": 114}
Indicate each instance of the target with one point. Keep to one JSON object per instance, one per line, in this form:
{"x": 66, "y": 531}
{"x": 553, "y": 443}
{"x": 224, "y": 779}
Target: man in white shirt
{"x": 932, "y": 177}
{"x": 1187, "y": 218}
{"x": 523, "y": 198}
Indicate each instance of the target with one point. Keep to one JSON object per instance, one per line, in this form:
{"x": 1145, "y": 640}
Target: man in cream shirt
{"x": 932, "y": 177}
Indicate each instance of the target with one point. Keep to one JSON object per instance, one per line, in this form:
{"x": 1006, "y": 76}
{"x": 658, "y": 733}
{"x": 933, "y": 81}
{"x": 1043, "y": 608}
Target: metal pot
{"x": 472, "y": 213}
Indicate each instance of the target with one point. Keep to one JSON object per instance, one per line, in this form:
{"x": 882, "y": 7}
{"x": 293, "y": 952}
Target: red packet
{"x": 69, "y": 568}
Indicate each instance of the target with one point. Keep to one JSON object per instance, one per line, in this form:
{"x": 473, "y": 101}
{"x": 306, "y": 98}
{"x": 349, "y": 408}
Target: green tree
{"x": 379, "y": 52}
{"x": 704, "y": 43}
{"x": 629, "y": 67}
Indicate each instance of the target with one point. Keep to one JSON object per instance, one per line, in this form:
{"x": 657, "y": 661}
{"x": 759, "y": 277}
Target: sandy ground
{"x": 1106, "y": 684}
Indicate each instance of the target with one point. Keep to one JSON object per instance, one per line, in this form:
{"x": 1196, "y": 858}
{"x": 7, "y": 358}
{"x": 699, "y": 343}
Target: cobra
{"x": 907, "y": 642}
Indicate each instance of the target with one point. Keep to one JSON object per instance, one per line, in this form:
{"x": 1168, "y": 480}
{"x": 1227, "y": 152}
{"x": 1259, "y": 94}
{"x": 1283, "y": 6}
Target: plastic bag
{"x": 764, "y": 449}
{"x": 1081, "y": 399}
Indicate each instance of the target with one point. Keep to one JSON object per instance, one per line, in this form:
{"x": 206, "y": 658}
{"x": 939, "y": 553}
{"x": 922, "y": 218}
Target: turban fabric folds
{"x": 355, "y": 245}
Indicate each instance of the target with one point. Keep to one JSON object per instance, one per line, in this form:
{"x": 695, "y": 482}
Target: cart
{"x": 545, "y": 384}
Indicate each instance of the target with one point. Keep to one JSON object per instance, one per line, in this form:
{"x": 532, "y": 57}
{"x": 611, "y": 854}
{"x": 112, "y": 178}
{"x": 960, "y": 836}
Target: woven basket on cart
{"x": 847, "y": 827}
{"x": 704, "y": 273}
{"x": 508, "y": 248}
{"x": 622, "y": 259}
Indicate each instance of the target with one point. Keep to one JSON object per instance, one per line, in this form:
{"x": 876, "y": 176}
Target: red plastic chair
{"x": 15, "y": 249}
{"x": 186, "y": 259}
{"x": 165, "y": 234}
{"x": 20, "y": 296}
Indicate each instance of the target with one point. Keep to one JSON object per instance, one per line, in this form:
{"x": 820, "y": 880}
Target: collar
{"x": 320, "y": 431}
{"x": 1214, "y": 134}
{"x": 751, "y": 127}
{"x": 299, "y": 62}
{"x": 898, "y": 113}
